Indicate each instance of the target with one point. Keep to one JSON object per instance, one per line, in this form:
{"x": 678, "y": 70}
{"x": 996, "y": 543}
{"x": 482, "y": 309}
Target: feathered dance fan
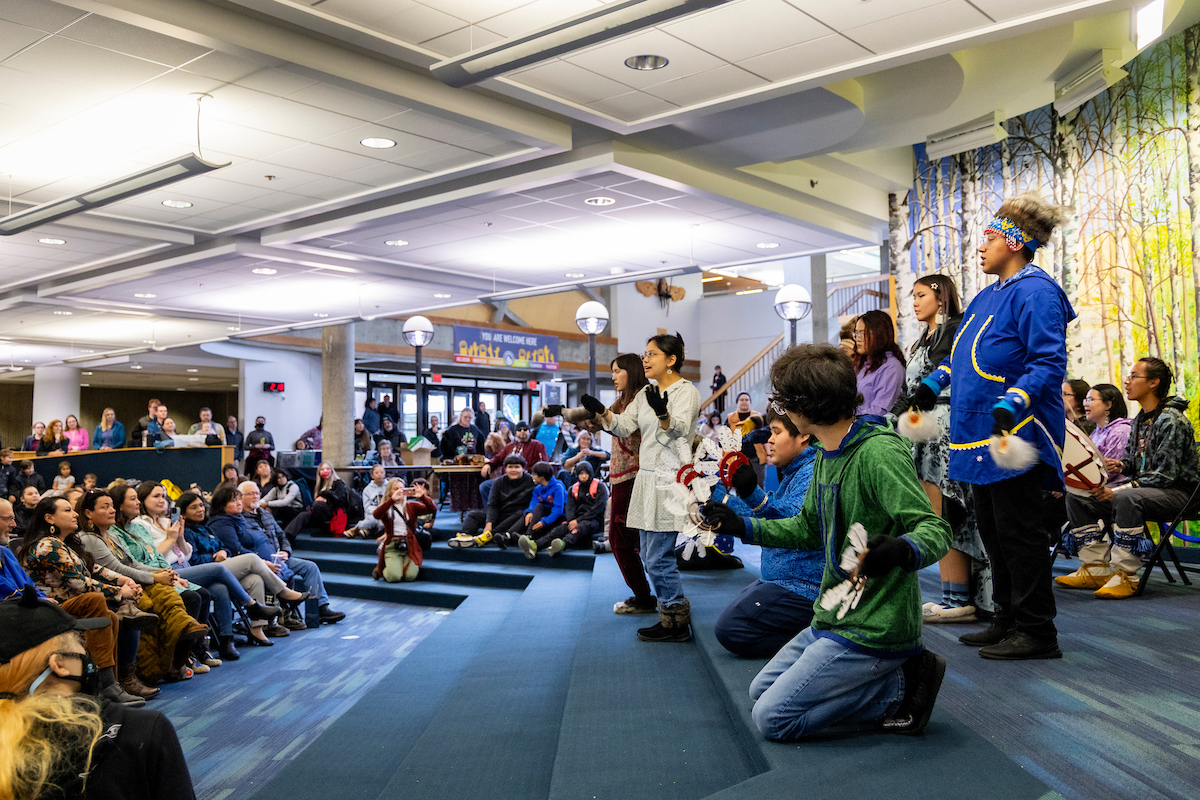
{"x": 918, "y": 426}
{"x": 1012, "y": 452}
{"x": 845, "y": 595}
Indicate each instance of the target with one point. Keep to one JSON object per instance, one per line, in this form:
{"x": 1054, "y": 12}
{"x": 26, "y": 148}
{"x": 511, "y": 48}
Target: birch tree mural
{"x": 1127, "y": 165}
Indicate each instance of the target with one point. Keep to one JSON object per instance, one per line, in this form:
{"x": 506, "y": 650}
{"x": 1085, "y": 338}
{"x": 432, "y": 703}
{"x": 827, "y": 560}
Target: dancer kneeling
{"x": 769, "y": 612}
{"x": 861, "y": 662}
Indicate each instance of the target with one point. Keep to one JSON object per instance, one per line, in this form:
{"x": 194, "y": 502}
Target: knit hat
{"x": 26, "y": 623}
{"x": 584, "y": 466}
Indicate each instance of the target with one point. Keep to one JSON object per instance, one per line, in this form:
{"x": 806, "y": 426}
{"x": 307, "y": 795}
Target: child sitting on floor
{"x": 583, "y": 515}
{"x": 545, "y": 509}
{"x": 861, "y": 661}
{"x": 64, "y": 479}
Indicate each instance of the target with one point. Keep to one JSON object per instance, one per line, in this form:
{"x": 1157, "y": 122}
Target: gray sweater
{"x": 119, "y": 561}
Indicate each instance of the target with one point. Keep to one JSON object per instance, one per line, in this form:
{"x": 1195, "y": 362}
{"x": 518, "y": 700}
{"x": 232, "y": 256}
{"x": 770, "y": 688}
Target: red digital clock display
{"x": 272, "y": 386}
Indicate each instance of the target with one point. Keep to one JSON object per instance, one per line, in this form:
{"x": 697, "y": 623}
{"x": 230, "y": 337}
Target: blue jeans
{"x": 815, "y": 682}
{"x": 658, "y": 556}
{"x": 485, "y": 489}
{"x": 225, "y": 591}
{"x": 309, "y": 574}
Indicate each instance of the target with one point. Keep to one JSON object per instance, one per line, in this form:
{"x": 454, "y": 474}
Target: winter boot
{"x": 674, "y": 624}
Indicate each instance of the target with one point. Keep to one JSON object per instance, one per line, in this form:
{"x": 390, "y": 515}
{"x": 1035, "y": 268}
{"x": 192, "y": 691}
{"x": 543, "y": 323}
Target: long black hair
{"x": 40, "y": 529}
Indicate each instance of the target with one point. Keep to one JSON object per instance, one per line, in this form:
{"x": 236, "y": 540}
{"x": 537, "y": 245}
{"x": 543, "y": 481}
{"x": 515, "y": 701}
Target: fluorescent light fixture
{"x": 749, "y": 291}
{"x": 711, "y": 280}
{"x": 135, "y": 366}
{"x": 319, "y": 315}
{"x": 600, "y": 201}
{"x": 176, "y": 204}
{"x": 1148, "y": 22}
{"x": 233, "y": 328}
{"x": 191, "y": 369}
{"x": 582, "y": 30}
{"x": 441, "y": 295}
{"x": 377, "y": 143}
{"x": 62, "y": 313}
{"x": 191, "y": 379}
{"x": 150, "y": 178}
{"x": 396, "y": 242}
{"x": 767, "y": 245}
{"x": 51, "y": 240}
{"x": 145, "y": 295}
{"x": 1094, "y": 76}
{"x": 264, "y": 271}
{"x": 981, "y": 132}
{"x": 85, "y": 373}
{"x": 576, "y": 274}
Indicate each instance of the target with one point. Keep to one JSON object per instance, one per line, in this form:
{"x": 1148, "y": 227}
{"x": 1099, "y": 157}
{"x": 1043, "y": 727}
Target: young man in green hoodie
{"x": 860, "y": 664}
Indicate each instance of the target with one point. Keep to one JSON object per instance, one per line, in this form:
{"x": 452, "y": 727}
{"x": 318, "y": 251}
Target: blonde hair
{"x": 104, "y": 426}
{"x": 323, "y": 484}
{"x": 45, "y": 736}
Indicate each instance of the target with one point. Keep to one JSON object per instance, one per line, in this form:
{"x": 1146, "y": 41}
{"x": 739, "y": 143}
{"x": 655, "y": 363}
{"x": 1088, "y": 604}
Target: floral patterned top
{"x": 624, "y": 464}
{"x": 61, "y": 573}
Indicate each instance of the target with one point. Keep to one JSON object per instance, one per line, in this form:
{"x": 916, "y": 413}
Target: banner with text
{"x": 494, "y": 348}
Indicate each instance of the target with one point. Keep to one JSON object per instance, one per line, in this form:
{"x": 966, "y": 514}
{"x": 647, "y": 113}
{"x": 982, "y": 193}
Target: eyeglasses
{"x": 649, "y": 354}
{"x": 859, "y": 334}
{"x": 1134, "y": 376}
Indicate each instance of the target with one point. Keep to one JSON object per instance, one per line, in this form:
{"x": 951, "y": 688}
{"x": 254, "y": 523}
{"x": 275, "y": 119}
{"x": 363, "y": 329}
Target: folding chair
{"x": 1169, "y": 530}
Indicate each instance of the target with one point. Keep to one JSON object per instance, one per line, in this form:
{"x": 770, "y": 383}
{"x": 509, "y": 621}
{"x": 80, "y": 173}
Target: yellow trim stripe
{"x": 986, "y": 442}
{"x": 975, "y": 346}
{"x": 1021, "y": 392}
{"x": 962, "y": 329}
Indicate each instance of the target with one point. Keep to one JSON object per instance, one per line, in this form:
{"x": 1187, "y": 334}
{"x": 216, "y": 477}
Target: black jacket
{"x": 456, "y": 435}
{"x": 509, "y": 497}
{"x": 138, "y": 758}
{"x": 582, "y": 506}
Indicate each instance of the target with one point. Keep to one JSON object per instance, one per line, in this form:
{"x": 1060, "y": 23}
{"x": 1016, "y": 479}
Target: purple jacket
{"x": 1110, "y": 441}
{"x": 881, "y": 387}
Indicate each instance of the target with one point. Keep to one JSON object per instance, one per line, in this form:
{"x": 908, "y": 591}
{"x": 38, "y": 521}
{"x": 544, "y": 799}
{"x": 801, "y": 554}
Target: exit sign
{"x": 272, "y": 386}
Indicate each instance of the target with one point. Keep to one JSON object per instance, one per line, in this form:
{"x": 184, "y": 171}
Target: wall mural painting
{"x": 1128, "y": 163}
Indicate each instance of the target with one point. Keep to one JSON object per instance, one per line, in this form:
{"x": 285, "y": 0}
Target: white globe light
{"x": 793, "y": 302}
{"x": 418, "y": 331}
{"x": 592, "y": 317}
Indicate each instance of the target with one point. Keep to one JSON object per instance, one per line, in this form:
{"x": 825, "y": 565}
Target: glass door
{"x": 489, "y": 404}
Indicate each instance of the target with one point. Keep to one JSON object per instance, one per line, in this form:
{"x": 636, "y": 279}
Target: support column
{"x": 820, "y": 299}
{"x": 337, "y": 394}
{"x": 55, "y": 392}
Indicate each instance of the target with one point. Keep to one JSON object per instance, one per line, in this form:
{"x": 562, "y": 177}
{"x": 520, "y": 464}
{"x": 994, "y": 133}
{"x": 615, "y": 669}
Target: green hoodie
{"x": 870, "y": 480}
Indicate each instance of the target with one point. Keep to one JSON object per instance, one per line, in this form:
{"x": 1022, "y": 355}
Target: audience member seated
{"x": 138, "y": 437}
{"x": 1074, "y": 395}
{"x": 505, "y": 429}
{"x": 1105, "y": 408}
{"x": 166, "y": 650}
{"x": 89, "y": 605}
{"x": 387, "y": 457}
{"x": 530, "y": 450}
{"x": 59, "y": 742}
{"x": 492, "y": 445}
{"x": 1108, "y": 529}
{"x": 363, "y": 443}
{"x": 878, "y": 362}
{"x": 372, "y": 496}
{"x": 283, "y": 497}
{"x": 505, "y": 507}
{"x": 260, "y": 444}
{"x": 388, "y": 432}
{"x": 34, "y": 439}
{"x": 206, "y": 427}
{"x": 64, "y": 479}
{"x": 230, "y": 474}
{"x": 334, "y": 491}
{"x": 582, "y": 451}
{"x": 26, "y": 503}
{"x": 260, "y": 533}
{"x": 262, "y": 476}
{"x": 770, "y": 612}
{"x": 545, "y": 509}
{"x": 254, "y": 574}
{"x": 77, "y": 437}
{"x": 154, "y": 428}
{"x": 10, "y": 484}
{"x": 399, "y": 554}
{"x": 583, "y": 516}
{"x": 109, "y": 433}
{"x": 462, "y": 438}
{"x": 165, "y": 433}
{"x": 54, "y": 443}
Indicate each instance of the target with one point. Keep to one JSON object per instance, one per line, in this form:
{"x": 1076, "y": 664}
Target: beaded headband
{"x": 1015, "y": 237}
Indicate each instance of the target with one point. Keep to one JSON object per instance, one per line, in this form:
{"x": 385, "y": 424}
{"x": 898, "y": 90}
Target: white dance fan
{"x": 845, "y": 595}
{"x": 918, "y": 426}
{"x": 1012, "y": 452}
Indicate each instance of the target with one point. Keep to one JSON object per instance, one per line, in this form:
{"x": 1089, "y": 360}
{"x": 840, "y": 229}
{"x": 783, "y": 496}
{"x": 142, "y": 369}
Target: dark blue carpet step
{"x": 440, "y": 551}
{"x": 950, "y": 760}
{"x": 642, "y": 720}
{"x": 494, "y": 735}
{"x": 417, "y": 593}
{"x": 496, "y": 576}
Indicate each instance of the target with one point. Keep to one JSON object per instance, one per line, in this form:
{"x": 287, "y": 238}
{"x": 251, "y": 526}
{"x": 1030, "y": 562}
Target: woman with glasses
{"x": 662, "y": 412}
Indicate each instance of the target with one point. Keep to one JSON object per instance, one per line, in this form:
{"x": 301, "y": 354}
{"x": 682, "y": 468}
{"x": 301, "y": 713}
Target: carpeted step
{"x": 496, "y": 732}
{"x": 568, "y": 559}
{"x": 642, "y": 719}
{"x": 417, "y": 593}
{"x": 330, "y": 544}
{"x": 496, "y": 576}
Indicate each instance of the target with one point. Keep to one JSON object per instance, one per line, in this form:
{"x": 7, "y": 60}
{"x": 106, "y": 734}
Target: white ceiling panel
{"x": 542, "y": 213}
{"x": 13, "y": 37}
{"x": 406, "y": 143}
{"x": 122, "y": 38}
{"x": 633, "y": 106}
{"x": 382, "y": 174}
{"x": 918, "y": 27}
{"x": 86, "y": 66}
{"x": 462, "y": 41}
{"x": 748, "y": 28}
{"x": 365, "y": 12}
{"x": 40, "y": 14}
{"x": 1011, "y": 9}
{"x": 802, "y": 59}
{"x": 440, "y": 158}
{"x": 288, "y": 118}
{"x": 243, "y": 142}
{"x": 704, "y": 85}
{"x": 223, "y": 66}
{"x": 275, "y": 81}
{"x": 314, "y": 156}
{"x": 344, "y": 101}
{"x": 331, "y": 188}
{"x": 431, "y": 127}
{"x": 609, "y": 59}
{"x": 645, "y": 190}
{"x": 417, "y": 23}
{"x": 536, "y": 15}
{"x": 254, "y": 173}
{"x": 570, "y": 82}
{"x": 843, "y": 14}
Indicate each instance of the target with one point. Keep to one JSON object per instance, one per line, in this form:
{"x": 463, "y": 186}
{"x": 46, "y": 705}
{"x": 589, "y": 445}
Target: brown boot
{"x": 130, "y": 683}
{"x": 674, "y": 624}
{"x": 133, "y": 617}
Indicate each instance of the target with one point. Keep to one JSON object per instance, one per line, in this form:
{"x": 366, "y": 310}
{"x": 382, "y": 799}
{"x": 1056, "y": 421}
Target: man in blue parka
{"x": 1006, "y": 370}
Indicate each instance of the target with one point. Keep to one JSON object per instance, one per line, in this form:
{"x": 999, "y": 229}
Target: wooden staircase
{"x": 755, "y": 371}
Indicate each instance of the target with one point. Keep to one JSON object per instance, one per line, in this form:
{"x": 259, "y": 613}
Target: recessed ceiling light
{"x": 440, "y": 295}
{"x": 52, "y": 240}
{"x": 135, "y": 366}
{"x": 395, "y": 243}
{"x": 646, "y": 63}
{"x": 319, "y": 315}
{"x": 600, "y": 201}
{"x": 264, "y": 271}
{"x": 85, "y": 373}
{"x": 176, "y": 204}
{"x": 87, "y": 351}
{"x": 228, "y": 328}
{"x": 617, "y": 271}
{"x": 85, "y": 385}
{"x": 180, "y": 389}
{"x": 574, "y": 274}
{"x": 377, "y": 143}
{"x": 62, "y": 313}
{"x": 193, "y": 379}
{"x": 149, "y": 341}
{"x": 767, "y": 245}
{"x": 145, "y": 295}
{"x": 192, "y": 370}
{"x": 234, "y": 385}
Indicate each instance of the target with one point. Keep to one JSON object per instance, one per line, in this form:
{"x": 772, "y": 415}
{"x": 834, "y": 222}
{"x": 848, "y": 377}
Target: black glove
{"x": 1005, "y": 421}
{"x": 552, "y": 411}
{"x": 592, "y": 404}
{"x": 884, "y": 555}
{"x": 723, "y": 519}
{"x": 744, "y": 481}
{"x": 923, "y": 398}
{"x": 657, "y": 401}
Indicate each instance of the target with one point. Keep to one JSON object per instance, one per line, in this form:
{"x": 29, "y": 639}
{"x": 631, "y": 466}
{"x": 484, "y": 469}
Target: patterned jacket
{"x": 61, "y": 573}
{"x": 1161, "y": 452}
